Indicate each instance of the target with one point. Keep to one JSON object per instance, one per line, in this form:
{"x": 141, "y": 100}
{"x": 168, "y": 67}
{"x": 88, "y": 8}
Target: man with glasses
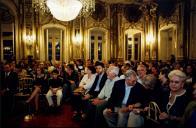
{"x": 141, "y": 73}
{"x": 126, "y": 95}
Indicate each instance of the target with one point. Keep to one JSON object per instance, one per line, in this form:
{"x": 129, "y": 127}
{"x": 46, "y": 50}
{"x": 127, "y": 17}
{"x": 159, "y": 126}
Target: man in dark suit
{"x": 126, "y": 94}
{"x": 98, "y": 83}
{"x": 9, "y": 81}
{"x": 8, "y": 87}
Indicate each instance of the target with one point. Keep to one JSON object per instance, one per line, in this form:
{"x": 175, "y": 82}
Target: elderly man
{"x": 126, "y": 94}
{"x": 100, "y": 101}
{"x": 141, "y": 72}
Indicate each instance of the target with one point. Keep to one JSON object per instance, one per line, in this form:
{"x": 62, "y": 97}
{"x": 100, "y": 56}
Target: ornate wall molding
{"x": 132, "y": 13}
{"x": 103, "y": 21}
{"x": 173, "y": 19}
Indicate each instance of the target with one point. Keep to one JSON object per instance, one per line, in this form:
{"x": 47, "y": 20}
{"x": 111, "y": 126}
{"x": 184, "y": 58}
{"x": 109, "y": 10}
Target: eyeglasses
{"x": 140, "y": 70}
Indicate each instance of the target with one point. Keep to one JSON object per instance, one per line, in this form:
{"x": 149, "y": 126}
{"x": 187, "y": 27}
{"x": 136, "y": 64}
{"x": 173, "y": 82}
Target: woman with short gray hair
{"x": 175, "y": 102}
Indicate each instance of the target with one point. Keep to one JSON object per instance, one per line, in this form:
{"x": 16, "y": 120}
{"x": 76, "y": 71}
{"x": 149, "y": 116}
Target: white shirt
{"x": 139, "y": 80}
{"x": 127, "y": 92}
{"x": 107, "y": 88}
{"x": 122, "y": 76}
{"x": 86, "y": 82}
{"x": 7, "y": 74}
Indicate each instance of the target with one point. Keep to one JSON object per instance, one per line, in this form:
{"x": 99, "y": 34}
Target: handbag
{"x": 152, "y": 118}
{"x": 79, "y": 91}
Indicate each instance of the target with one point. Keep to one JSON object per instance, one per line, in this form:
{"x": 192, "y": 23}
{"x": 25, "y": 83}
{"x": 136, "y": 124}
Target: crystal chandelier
{"x": 65, "y": 10}
{"x": 40, "y": 5}
{"x": 88, "y": 7}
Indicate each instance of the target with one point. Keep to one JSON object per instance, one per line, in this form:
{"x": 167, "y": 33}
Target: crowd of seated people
{"x": 113, "y": 94}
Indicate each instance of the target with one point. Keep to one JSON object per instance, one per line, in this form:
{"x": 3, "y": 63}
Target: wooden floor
{"x": 57, "y": 119}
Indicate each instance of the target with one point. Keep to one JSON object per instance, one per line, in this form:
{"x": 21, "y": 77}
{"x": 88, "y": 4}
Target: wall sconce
{"x": 149, "y": 40}
{"x": 29, "y": 41}
{"x": 77, "y": 38}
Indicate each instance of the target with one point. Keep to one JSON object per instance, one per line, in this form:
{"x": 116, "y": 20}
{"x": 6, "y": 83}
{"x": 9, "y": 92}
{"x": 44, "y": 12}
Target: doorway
{"x": 53, "y": 38}
{"x": 132, "y": 44}
{"x": 168, "y": 42}
{"x": 97, "y": 45}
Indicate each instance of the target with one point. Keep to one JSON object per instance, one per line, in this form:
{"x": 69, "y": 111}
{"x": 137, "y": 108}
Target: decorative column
{"x": 150, "y": 30}
{"x": 114, "y": 31}
{"x": 28, "y": 31}
{"x": 186, "y": 28}
{"x": 77, "y": 38}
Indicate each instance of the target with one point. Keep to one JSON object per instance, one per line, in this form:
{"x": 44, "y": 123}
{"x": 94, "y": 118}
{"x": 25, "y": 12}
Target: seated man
{"x": 55, "y": 88}
{"x": 126, "y": 95}
{"x": 71, "y": 81}
{"x": 98, "y": 83}
{"x": 100, "y": 101}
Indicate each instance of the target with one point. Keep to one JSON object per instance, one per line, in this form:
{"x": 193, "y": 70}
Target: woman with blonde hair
{"x": 175, "y": 102}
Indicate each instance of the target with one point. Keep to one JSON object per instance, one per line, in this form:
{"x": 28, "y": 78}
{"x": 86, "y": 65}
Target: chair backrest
{"x": 25, "y": 84}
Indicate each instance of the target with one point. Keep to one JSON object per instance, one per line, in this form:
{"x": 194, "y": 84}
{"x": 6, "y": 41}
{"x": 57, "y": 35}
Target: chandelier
{"x": 40, "y": 6}
{"x": 88, "y": 7}
{"x": 65, "y": 10}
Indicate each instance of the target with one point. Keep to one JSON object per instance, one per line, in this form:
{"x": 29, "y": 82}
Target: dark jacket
{"x": 118, "y": 93}
{"x": 74, "y": 77}
{"x": 10, "y": 82}
{"x": 101, "y": 84}
{"x": 56, "y": 83}
{"x": 179, "y": 105}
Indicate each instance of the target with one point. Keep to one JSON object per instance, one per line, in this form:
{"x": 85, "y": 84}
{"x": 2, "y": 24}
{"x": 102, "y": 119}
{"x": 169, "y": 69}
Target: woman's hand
{"x": 163, "y": 116}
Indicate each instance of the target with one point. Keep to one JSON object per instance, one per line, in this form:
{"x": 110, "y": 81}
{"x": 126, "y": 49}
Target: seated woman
{"x": 88, "y": 79}
{"x": 84, "y": 86}
{"x": 40, "y": 84}
{"x": 164, "y": 80}
{"x": 174, "y": 102}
